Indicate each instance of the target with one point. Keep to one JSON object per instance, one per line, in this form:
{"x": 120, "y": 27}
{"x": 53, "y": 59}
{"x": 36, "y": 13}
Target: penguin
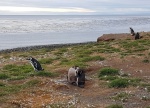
{"x": 36, "y": 65}
{"x": 132, "y": 31}
{"x": 71, "y": 77}
{"x": 80, "y": 75}
{"x": 137, "y": 36}
{"x": 76, "y": 76}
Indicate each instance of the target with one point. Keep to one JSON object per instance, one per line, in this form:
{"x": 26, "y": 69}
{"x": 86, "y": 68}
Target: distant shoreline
{"x": 50, "y": 46}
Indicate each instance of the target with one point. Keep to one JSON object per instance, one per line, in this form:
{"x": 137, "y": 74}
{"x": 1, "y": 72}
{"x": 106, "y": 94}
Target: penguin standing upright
{"x": 132, "y": 31}
{"x": 36, "y": 65}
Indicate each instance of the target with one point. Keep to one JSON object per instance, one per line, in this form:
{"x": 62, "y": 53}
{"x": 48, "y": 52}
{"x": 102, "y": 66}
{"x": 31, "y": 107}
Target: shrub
{"x": 108, "y": 72}
{"x": 119, "y": 83}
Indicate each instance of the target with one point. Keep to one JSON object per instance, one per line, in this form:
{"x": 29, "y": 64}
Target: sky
{"x": 74, "y": 7}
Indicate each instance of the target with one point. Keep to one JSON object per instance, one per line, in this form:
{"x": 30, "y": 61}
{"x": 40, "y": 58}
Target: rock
{"x": 111, "y": 37}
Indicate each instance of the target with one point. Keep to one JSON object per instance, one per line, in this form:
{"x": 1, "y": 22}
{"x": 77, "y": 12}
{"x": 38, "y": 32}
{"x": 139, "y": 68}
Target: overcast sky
{"x": 74, "y": 7}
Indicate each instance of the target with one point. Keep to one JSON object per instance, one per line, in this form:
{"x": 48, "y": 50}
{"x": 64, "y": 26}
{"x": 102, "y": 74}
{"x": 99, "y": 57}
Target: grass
{"x": 115, "y": 106}
{"x": 31, "y": 83}
{"x": 46, "y": 74}
{"x": 119, "y": 83}
{"x": 18, "y": 70}
{"x": 11, "y": 88}
{"x": 3, "y": 76}
{"x": 80, "y": 55}
{"x": 108, "y": 72}
{"x": 122, "y": 96}
{"x": 46, "y": 61}
{"x": 2, "y": 84}
{"x": 115, "y": 79}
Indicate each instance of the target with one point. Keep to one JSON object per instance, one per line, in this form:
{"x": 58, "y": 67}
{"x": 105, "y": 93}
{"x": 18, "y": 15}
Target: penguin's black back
{"x": 36, "y": 64}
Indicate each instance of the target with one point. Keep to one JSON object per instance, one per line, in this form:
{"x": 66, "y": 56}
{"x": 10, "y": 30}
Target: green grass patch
{"x": 17, "y": 78}
{"x": 3, "y": 76}
{"x": 108, "y": 72}
{"x": 18, "y": 70}
{"x": 134, "y": 81}
{"x": 115, "y": 106}
{"x": 46, "y": 61}
{"x": 119, "y": 83}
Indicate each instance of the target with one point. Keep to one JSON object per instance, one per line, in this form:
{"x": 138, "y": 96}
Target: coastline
{"x": 50, "y": 46}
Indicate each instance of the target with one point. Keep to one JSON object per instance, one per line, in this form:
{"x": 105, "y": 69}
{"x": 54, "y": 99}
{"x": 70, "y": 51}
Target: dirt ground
{"x": 57, "y": 93}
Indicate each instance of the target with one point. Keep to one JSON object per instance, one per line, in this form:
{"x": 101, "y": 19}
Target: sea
{"x": 31, "y": 30}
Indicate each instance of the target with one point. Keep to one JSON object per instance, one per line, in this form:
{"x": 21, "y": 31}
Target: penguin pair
{"x": 35, "y": 64}
{"x": 137, "y": 36}
{"x": 76, "y": 76}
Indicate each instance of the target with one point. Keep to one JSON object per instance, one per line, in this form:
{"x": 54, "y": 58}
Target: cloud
{"x": 35, "y": 9}
{"x": 74, "y": 6}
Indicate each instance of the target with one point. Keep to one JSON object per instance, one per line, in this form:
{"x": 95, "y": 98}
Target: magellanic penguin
{"x": 76, "y": 76}
{"x": 36, "y": 65}
{"x": 132, "y": 31}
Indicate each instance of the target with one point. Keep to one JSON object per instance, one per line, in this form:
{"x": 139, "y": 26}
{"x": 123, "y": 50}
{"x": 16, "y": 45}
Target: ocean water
{"x": 21, "y": 31}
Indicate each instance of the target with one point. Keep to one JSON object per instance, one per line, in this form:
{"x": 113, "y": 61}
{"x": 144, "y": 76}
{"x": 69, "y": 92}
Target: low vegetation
{"x": 18, "y": 75}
